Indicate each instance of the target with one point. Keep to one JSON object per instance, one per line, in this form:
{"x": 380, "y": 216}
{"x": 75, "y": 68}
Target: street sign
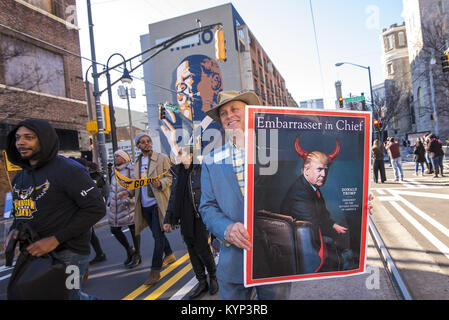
{"x": 171, "y": 107}
{"x": 355, "y": 99}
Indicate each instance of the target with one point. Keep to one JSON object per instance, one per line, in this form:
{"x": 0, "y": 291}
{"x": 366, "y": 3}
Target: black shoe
{"x": 199, "y": 289}
{"x": 213, "y": 285}
{"x": 135, "y": 261}
{"x": 130, "y": 254}
{"x": 98, "y": 258}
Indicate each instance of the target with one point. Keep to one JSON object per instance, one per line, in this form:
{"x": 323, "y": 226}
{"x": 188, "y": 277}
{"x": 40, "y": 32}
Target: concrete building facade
{"x": 188, "y": 76}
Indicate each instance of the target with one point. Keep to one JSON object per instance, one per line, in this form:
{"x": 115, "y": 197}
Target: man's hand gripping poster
{"x": 306, "y": 191}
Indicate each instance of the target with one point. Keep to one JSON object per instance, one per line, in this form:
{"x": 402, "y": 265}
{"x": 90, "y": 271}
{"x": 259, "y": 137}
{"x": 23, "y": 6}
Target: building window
{"x": 32, "y": 68}
{"x": 390, "y": 42}
{"x": 420, "y": 98}
{"x": 390, "y": 69}
{"x": 42, "y": 4}
{"x": 401, "y": 37}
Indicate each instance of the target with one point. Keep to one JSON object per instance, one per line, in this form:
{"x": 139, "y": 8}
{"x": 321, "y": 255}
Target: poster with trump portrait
{"x": 306, "y": 190}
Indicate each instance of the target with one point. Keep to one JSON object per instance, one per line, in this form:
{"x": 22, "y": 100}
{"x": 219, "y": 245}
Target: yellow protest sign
{"x": 130, "y": 184}
{"x": 9, "y": 165}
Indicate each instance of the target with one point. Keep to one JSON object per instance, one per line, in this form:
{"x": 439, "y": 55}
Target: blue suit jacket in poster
{"x": 221, "y": 205}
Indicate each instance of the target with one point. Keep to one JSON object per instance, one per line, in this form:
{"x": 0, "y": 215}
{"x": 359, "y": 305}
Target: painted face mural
{"x": 197, "y": 84}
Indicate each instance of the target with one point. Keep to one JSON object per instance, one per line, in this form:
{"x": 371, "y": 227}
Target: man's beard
{"x": 35, "y": 155}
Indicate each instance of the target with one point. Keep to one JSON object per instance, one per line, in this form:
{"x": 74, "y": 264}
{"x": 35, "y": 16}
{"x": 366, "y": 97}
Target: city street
{"x": 409, "y": 215}
{"x": 412, "y": 219}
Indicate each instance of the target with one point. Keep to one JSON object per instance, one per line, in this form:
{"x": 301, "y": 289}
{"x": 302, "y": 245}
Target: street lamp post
{"x": 369, "y": 75}
{"x": 99, "y": 115}
{"x": 126, "y": 78}
{"x": 432, "y": 94}
{"x": 131, "y": 135}
{"x": 370, "y": 89}
{"x": 91, "y": 116}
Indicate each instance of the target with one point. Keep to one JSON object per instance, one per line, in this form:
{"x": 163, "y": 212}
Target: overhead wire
{"x": 317, "y": 48}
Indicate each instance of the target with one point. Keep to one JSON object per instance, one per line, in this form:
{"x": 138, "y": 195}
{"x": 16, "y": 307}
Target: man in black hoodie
{"x": 55, "y": 195}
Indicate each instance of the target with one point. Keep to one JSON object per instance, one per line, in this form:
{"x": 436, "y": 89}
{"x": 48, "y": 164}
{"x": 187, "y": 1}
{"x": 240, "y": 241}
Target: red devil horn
{"x": 300, "y": 151}
{"x": 334, "y": 154}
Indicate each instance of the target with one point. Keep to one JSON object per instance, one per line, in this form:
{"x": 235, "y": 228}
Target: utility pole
{"x": 101, "y": 137}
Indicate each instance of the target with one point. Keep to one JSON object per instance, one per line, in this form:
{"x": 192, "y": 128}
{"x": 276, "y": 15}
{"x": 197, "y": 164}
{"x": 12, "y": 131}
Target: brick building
{"x": 40, "y": 73}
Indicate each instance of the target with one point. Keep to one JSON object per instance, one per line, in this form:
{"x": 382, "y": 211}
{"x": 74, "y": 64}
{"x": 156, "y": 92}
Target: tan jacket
{"x": 158, "y": 163}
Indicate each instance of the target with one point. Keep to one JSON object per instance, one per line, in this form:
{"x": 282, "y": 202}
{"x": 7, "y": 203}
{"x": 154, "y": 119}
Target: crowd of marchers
{"x": 60, "y": 199}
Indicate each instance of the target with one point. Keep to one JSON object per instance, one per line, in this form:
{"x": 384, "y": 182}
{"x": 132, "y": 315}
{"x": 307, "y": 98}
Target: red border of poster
{"x": 249, "y": 190}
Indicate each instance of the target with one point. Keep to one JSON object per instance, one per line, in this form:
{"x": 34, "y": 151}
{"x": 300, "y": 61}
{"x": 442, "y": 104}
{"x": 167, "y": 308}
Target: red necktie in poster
{"x": 323, "y": 251}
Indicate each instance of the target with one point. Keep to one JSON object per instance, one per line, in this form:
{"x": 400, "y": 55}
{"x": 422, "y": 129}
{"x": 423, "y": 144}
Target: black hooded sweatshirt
{"x": 56, "y": 196}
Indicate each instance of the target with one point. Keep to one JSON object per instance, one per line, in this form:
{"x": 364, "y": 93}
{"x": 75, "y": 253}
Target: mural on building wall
{"x": 197, "y": 81}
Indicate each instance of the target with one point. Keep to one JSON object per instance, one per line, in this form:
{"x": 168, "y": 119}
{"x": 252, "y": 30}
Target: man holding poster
{"x": 225, "y": 206}
{"x": 222, "y": 201}
{"x": 295, "y": 233}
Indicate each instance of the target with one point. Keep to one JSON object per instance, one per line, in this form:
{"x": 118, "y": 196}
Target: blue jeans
{"x": 237, "y": 291}
{"x": 71, "y": 258}
{"x": 437, "y": 163}
{"x": 422, "y": 166}
{"x": 161, "y": 244}
{"x": 397, "y": 166}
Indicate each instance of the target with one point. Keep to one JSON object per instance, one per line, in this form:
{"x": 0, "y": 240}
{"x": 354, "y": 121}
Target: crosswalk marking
{"x": 426, "y": 233}
{"x": 421, "y": 213}
{"x": 181, "y": 293}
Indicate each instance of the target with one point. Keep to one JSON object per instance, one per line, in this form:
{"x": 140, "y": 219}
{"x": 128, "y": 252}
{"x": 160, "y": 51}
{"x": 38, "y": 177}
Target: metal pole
{"x": 432, "y": 94}
{"x": 371, "y": 89}
{"x": 130, "y": 126}
{"x": 101, "y": 138}
{"x": 111, "y": 112}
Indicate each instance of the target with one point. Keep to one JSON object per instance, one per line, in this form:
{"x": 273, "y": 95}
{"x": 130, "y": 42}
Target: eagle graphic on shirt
{"x": 25, "y": 199}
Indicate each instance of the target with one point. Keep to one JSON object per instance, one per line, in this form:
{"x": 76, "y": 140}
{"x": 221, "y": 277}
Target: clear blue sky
{"x": 347, "y": 30}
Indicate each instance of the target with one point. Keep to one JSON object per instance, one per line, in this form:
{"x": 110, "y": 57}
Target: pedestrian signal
{"x": 445, "y": 61}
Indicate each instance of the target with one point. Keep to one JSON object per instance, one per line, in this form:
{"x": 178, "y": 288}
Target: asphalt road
{"x": 412, "y": 217}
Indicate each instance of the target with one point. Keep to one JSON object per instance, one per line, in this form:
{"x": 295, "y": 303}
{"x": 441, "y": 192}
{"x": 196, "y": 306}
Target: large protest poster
{"x": 306, "y": 191}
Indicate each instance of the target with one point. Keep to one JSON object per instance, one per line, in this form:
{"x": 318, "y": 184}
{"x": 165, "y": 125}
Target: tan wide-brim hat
{"x": 249, "y": 97}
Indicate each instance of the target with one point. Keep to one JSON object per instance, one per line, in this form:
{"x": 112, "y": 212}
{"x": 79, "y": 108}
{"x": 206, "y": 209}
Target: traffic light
{"x": 107, "y": 119}
{"x": 377, "y": 125}
{"x": 445, "y": 61}
{"x": 340, "y": 101}
{"x": 220, "y": 45}
{"x": 161, "y": 112}
{"x": 91, "y": 140}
